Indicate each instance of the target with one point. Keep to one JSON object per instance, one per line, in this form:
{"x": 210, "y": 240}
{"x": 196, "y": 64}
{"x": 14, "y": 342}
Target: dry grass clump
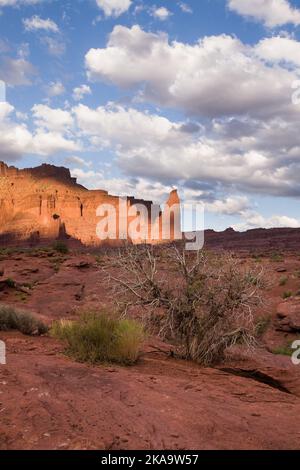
{"x": 25, "y": 322}
{"x": 99, "y": 337}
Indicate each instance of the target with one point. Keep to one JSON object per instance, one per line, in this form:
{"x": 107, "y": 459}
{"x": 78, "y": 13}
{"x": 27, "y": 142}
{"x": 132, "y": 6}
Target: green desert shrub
{"x": 99, "y": 337}
{"x": 10, "y": 282}
{"x": 287, "y": 295}
{"x": 283, "y": 281}
{"x": 25, "y": 322}
{"x": 284, "y": 350}
{"x": 277, "y": 257}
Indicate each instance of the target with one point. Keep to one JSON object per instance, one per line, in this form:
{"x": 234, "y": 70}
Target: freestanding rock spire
{"x": 173, "y": 198}
{"x": 171, "y": 218}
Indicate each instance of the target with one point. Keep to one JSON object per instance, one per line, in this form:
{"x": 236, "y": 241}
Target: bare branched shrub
{"x": 203, "y": 302}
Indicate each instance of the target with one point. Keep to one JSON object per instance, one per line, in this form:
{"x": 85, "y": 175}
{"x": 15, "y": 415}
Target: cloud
{"x": 52, "y": 119}
{"x": 185, "y": 7}
{"x": 55, "y": 89}
{"x": 16, "y": 140}
{"x": 271, "y": 12}
{"x": 80, "y": 92}
{"x": 154, "y": 191}
{"x": 114, "y": 8}
{"x": 278, "y": 49}
{"x": 50, "y": 143}
{"x": 54, "y": 131}
{"x": 230, "y": 206}
{"x": 36, "y": 23}
{"x": 161, "y": 13}
{"x": 17, "y": 3}
{"x": 217, "y": 76}
{"x": 21, "y": 116}
{"x": 16, "y": 72}
{"x": 55, "y": 46}
{"x": 75, "y": 160}
{"x": 116, "y": 125}
{"x": 254, "y": 219}
{"x": 145, "y": 189}
{"x": 229, "y": 154}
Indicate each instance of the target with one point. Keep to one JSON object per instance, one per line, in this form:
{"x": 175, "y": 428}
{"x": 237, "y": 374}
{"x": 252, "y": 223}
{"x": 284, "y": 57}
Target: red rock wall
{"x": 45, "y": 202}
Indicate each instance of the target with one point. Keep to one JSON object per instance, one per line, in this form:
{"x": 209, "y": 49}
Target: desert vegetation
{"x": 287, "y": 294}
{"x": 99, "y": 337}
{"x": 25, "y": 322}
{"x": 262, "y": 324}
{"x": 284, "y": 350}
{"x": 203, "y": 309}
{"x": 61, "y": 247}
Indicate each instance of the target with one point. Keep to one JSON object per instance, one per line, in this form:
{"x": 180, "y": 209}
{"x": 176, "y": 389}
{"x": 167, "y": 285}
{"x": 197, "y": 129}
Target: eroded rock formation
{"x": 47, "y": 203}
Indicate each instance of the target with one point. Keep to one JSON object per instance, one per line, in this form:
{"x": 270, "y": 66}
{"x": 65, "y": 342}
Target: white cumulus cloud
{"x": 217, "y": 76}
{"x": 271, "y": 12}
{"x": 114, "y": 7}
{"x": 279, "y": 49}
{"x": 52, "y": 119}
{"x": 253, "y": 157}
{"x": 161, "y": 13}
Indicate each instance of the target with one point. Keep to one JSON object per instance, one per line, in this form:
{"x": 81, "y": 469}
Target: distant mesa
{"x": 47, "y": 203}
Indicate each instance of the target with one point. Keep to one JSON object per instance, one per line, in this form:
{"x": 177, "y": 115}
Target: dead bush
{"x": 203, "y": 302}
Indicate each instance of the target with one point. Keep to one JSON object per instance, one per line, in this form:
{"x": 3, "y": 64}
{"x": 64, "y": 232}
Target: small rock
{"x": 63, "y": 445}
{"x": 288, "y": 316}
{"x": 281, "y": 270}
{"x": 82, "y": 265}
{"x": 80, "y": 295}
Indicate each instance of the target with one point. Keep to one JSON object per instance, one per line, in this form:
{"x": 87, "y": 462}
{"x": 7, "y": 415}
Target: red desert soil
{"x": 48, "y": 401}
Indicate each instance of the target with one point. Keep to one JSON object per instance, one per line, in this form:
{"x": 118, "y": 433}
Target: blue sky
{"x": 138, "y": 97}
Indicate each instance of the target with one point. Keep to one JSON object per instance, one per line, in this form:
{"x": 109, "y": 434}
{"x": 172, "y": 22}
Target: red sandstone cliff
{"x": 47, "y": 203}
